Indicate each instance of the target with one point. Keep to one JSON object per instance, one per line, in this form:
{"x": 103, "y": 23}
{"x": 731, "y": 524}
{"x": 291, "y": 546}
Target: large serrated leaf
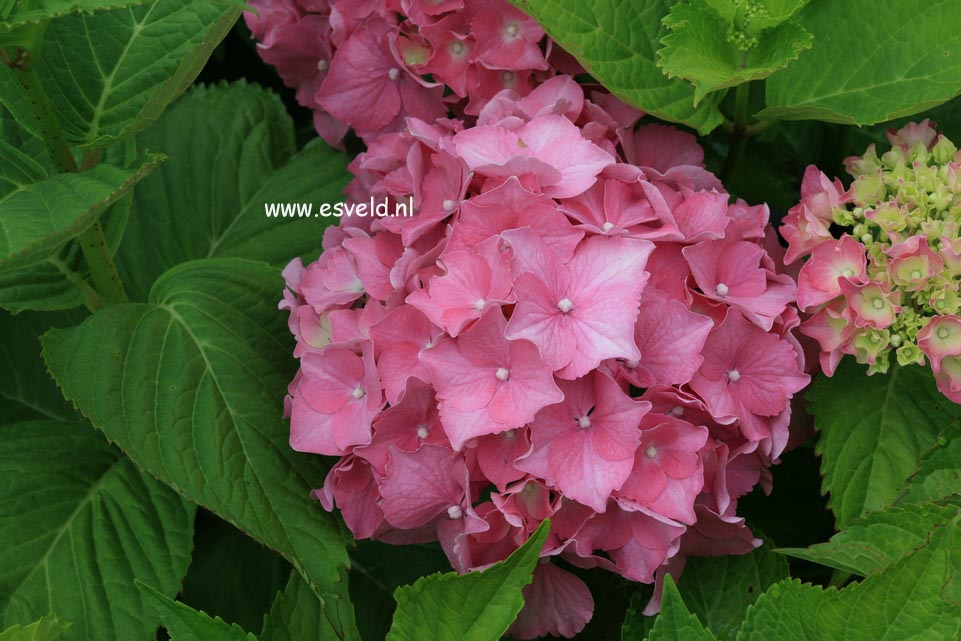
{"x": 907, "y": 600}
{"x": 183, "y": 623}
{"x": 25, "y": 12}
{"x": 698, "y": 49}
{"x": 872, "y": 430}
{"x": 939, "y": 471}
{"x": 39, "y": 214}
{"x": 477, "y": 606}
{"x": 875, "y": 541}
{"x": 234, "y": 145}
{"x": 675, "y": 622}
{"x": 873, "y": 60}
{"x": 615, "y": 40}
{"x": 81, "y": 524}
{"x": 46, "y": 629}
{"x": 191, "y": 386}
{"x": 296, "y": 614}
{"x": 110, "y": 74}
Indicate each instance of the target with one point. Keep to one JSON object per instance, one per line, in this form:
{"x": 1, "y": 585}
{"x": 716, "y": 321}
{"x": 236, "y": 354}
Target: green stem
{"x": 43, "y": 111}
{"x": 741, "y": 107}
{"x": 103, "y": 271}
{"x": 739, "y": 134}
{"x": 96, "y": 251}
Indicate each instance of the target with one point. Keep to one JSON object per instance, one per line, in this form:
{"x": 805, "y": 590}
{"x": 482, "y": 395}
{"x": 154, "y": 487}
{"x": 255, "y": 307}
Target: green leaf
{"x": 873, "y": 60}
{"x": 232, "y": 576}
{"x": 873, "y": 430}
{"x": 719, "y": 590}
{"x": 191, "y": 386}
{"x": 110, "y": 74}
{"x": 297, "y": 615}
{"x": 84, "y": 524}
{"x": 873, "y": 542}
{"x": 36, "y": 11}
{"x": 40, "y": 214}
{"x": 905, "y": 601}
{"x": 477, "y": 606}
{"x": 675, "y": 622}
{"x": 698, "y": 48}
{"x": 46, "y": 629}
{"x": 763, "y": 15}
{"x": 26, "y": 390}
{"x": 939, "y": 474}
{"x": 52, "y": 285}
{"x": 183, "y": 623}
{"x": 234, "y": 145}
{"x": 615, "y": 40}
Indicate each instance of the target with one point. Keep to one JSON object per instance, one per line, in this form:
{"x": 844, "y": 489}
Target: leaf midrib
{"x": 94, "y": 490}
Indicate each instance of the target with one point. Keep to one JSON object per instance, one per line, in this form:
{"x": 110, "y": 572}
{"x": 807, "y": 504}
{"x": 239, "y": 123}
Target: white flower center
{"x": 651, "y": 451}
{"x": 502, "y": 373}
{"x": 322, "y": 65}
{"x": 584, "y": 422}
{"x": 457, "y": 47}
{"x": 608, "y": 226}
{"x": 677, "y": 410}
{"x": 734, "y": 375}
{"x": 916, "y": 274}
{"x": 422, "y": 431}
{"x": 847, "y": 273}
{"x": 631, "y": 364}
{"x": 943, "y": 332}
{"x": 512, "y": 30}
{"x": 479, "y": 304}
{"x": 565, "y": 305}
{"x": 721, "y": 289}
{"x": 878, "y": 303}
{"x": 358, "y": 392}
{"x": 507, "y": 77}
{"x": 455, "y": 512}
{"x": 449, "y": 205}
{"x": 394, "y": 73}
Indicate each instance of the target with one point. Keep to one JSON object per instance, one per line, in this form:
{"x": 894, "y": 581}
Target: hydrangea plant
{"x": 572, "y": 366}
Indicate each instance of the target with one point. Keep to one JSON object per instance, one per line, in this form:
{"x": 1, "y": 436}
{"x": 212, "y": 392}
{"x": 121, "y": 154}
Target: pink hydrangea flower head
{"x": 575, "y": 322}
{"x": 890, "y": 280}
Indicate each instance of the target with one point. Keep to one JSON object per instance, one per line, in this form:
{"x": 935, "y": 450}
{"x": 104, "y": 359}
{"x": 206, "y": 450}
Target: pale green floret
{"x": 895, "y": 196}
{"x": 910, "y": 354}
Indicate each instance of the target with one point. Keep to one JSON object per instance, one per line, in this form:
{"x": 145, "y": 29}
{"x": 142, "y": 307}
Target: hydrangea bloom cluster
{"x": 370, "y": 64}
{"x": 576, "y": 324}
{"x": 889, "y": 284}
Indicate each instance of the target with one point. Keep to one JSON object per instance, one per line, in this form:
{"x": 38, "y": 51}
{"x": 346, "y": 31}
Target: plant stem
{"x": 96, "y": 252}
{"x": 740, "y": 133}
{"x": 103, "y": 271}
{"x": 43, "y": 111}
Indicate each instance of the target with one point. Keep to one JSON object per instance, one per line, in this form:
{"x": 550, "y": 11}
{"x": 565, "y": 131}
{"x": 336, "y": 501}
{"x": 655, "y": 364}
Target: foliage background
{"x": 213, "y": 567}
